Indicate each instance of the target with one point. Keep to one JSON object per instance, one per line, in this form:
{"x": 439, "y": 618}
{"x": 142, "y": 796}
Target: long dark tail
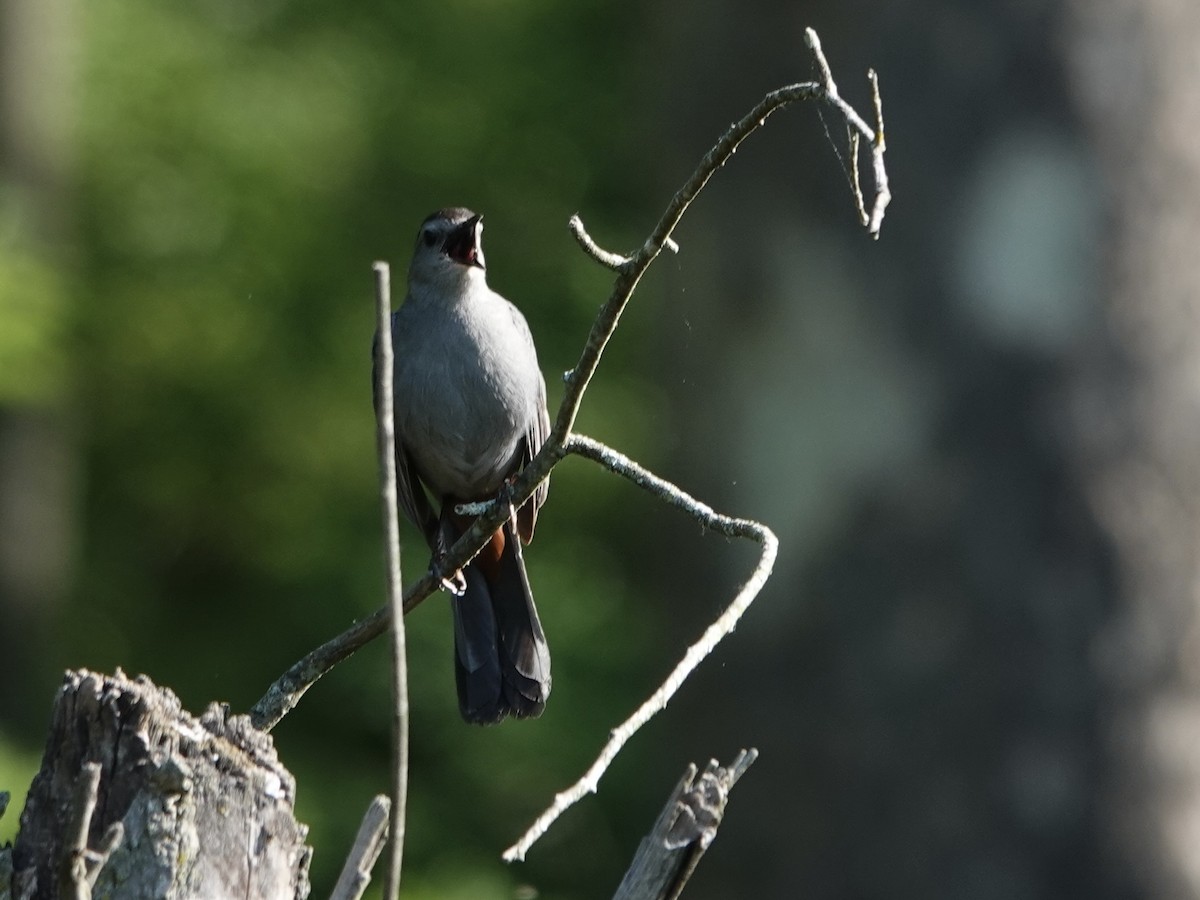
{"x": 501, "y": 660}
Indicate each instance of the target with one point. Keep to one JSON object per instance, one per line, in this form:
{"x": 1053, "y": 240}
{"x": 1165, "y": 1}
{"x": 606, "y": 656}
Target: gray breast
{"x": 466, "y": 390}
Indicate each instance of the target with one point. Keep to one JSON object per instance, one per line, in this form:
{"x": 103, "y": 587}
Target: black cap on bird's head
{"x": 458, "y": 233}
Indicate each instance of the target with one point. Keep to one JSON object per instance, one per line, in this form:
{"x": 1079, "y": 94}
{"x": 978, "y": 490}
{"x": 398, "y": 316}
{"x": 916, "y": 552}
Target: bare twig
{"x": 356, "y": 873}
{"x": 883, "y": 196}
{"x": 855, "y": 178}
{"x": 856, "y": 125}
{"x": 713, "y": 635}
{"x": 614, "y": 261}
{"x": 80, "y": 866}
{"x": 113, "y": 835}
{"x": 283, "y": 695}
{"x": 72, "y": 882}
{"x": 686, "y": 827}
{"x": 287, "y": 690}
{"x": 395, "y": 589}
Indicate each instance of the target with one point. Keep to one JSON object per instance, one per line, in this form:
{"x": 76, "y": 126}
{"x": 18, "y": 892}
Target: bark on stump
{"x": 207, "y": 807}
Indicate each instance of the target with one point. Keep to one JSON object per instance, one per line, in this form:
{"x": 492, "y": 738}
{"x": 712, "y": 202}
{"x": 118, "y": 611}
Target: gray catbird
{"x": 470, "y": 411}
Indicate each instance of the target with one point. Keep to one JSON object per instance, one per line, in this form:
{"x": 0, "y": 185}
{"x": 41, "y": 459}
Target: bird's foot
{"x": 454, "y": 582}
{"x": 504, "y": 497}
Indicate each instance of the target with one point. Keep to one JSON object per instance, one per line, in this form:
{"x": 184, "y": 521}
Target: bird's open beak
{"x": 463, "y": 244}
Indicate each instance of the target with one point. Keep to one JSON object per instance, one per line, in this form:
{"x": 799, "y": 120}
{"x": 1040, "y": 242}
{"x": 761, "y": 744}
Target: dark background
{"x": 972, "y": 674}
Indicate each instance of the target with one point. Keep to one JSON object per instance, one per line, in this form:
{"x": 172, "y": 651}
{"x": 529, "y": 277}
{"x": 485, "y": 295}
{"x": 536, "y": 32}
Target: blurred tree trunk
{"x": 975, "y": 667}
{"x": 38, "y": 459}
{"x": 1135, "y": 71}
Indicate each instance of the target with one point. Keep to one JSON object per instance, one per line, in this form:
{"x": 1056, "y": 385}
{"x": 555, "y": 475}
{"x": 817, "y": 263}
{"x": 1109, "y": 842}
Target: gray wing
{"x": 536, "y": 433}
{"x": 413, "y": 501}
{"x": 535, "y": 436}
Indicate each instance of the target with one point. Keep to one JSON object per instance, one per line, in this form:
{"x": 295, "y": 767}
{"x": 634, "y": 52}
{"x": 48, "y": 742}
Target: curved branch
{"x": 713, "y": 635}
{"x": 286, "y": 692}
{"x": 614, "y": 261}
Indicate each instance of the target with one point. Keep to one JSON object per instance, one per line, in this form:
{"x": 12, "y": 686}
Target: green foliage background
{"x": 206, "y": 329}
{"x": 185, "y": 321}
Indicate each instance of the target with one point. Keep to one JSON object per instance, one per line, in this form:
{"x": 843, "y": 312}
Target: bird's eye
{"x": 429, "y": 238}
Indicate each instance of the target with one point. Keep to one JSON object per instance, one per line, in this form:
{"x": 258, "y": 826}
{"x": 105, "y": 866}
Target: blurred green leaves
{"x": 33, "y": 310}
{"x": 237, "y": 170}
{"x": 17, "y": 768}
{"x": 33, "y": 365}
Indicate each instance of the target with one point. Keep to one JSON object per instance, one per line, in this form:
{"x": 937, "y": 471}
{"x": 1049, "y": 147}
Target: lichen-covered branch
{"x": 286, "y": 692}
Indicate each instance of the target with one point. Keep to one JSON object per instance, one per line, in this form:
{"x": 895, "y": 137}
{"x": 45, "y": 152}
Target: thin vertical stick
{"x": 391, "y": 529}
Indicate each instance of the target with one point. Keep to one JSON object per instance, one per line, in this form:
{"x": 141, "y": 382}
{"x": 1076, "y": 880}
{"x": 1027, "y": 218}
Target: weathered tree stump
{"x": 205, "y": 805}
